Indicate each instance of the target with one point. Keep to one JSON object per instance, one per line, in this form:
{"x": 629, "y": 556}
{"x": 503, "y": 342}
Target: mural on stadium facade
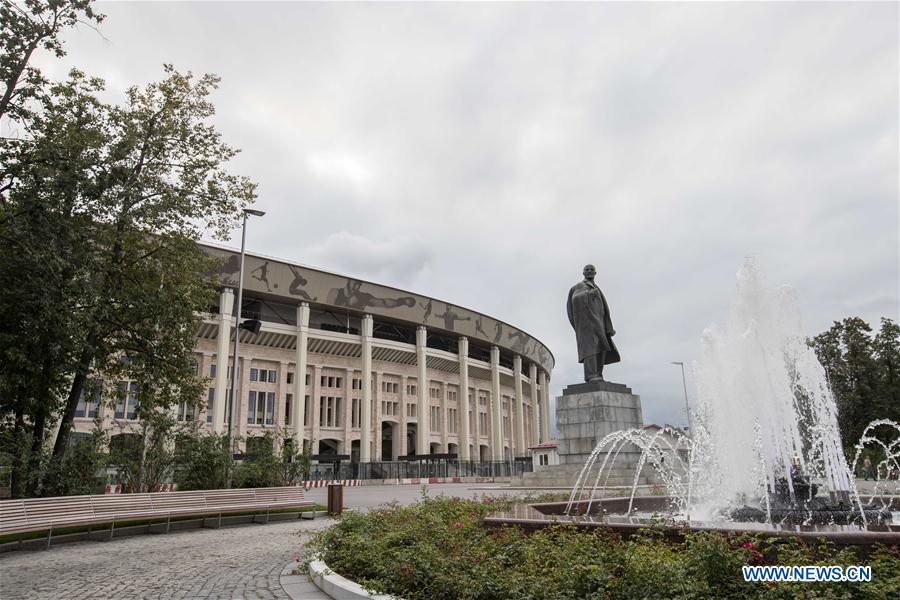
{"x": 283, "y": 280}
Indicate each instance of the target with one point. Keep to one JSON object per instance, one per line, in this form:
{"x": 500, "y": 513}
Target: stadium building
{"x": 360, "y": 369}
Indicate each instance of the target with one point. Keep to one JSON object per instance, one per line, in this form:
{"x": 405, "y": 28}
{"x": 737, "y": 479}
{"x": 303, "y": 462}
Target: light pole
{"x": 687, "y": 409}
{"x": 237, "y": 331}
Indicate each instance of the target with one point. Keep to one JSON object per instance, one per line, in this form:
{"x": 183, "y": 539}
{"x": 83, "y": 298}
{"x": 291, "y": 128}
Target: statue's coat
{"x": 589, "y": 315}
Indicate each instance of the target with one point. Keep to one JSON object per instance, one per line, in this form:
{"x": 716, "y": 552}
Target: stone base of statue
{"x": 585, "y": 414}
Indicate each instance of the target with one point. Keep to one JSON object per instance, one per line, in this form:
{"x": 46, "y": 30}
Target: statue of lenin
{"x": 589, "y": 315}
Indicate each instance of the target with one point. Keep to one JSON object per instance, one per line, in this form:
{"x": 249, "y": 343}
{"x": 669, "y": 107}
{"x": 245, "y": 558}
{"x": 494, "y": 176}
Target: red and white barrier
{"x": 327, "y": 482}
{"x": 401, "y": 481}
{"x": 112, "y": 489}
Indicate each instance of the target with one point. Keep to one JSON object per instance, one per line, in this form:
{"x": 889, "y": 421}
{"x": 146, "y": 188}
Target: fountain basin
{"x": 611, "y": 514}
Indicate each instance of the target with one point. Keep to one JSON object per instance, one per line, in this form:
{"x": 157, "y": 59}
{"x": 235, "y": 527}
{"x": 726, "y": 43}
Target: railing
{"x": 418, "y": 469}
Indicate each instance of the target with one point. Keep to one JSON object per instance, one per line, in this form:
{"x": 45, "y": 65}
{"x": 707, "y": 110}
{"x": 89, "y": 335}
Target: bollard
{"x": 335, "y": 498}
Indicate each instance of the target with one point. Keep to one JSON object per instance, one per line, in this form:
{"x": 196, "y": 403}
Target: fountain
{"x": 763, "y": 442}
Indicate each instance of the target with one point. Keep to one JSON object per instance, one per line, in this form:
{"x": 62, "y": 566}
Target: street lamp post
{"x": 687, "y": 409}
{"x": 237, "y": 331}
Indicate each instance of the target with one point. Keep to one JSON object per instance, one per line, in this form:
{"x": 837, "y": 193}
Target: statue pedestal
{"x": 585, "y": 414}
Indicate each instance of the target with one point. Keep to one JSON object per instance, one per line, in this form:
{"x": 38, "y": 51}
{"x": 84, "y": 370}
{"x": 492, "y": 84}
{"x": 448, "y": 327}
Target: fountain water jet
{"x": 765, "y": 426}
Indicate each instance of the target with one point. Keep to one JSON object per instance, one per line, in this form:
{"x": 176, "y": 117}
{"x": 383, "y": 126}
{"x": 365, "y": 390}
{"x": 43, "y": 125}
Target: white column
{"x": 545, "y": 408}
{"x": 497, "y": 405}
{"x": 464, "y": 437}
{"x": 535, "y": 423}
{"x": 365, "y": 424}
{"x": 423, "y": 415}
{"x": 298, "y": 408}
{"x": 520, "y": 417}
{"x": 226, "y": 302}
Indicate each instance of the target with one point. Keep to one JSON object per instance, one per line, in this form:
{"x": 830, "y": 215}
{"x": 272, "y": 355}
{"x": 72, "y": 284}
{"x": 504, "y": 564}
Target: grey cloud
{"x": 397, "y": 261}
{"x": 482, "y": 153}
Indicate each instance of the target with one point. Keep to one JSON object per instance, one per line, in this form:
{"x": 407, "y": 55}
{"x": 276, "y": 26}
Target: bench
{"x": 39, "y": 514}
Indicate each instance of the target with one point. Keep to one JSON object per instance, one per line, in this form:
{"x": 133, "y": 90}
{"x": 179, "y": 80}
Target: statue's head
{"x": 589, "y": 272}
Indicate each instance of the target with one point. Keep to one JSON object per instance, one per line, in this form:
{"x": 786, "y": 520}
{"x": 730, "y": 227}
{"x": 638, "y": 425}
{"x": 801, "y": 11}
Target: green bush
{"x": 203, "y": 461}
{"x": 439, "y": 549}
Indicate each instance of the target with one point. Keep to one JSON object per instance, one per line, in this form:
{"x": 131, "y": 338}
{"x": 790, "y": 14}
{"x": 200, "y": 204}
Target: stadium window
{"x": 126, "y": 401}
{"x": 251, "y": 407}
{"x": 270, "y": 408}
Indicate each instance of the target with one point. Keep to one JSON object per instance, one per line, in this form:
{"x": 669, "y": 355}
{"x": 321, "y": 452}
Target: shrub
{"x": 439, "y": 549}
{"x": 203, "y": 461}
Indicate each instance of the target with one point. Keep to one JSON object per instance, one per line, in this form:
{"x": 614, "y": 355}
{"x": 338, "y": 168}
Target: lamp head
{"x": 254, "y": 212}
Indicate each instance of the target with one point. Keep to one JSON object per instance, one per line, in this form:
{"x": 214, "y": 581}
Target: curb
{"x": 299, "y": 587}
{"x": 336, "y": 586}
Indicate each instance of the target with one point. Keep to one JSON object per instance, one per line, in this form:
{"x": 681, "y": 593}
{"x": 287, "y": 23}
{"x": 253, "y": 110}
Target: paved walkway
{"x": 233, "y": 562}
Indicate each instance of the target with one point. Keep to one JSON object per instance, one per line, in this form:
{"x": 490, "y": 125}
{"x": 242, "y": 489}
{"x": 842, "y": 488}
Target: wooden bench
{"x": 39, "y": 514}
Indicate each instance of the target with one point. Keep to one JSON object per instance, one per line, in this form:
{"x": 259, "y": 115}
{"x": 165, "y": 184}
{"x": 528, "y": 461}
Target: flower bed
{"x": 438, "y": 549}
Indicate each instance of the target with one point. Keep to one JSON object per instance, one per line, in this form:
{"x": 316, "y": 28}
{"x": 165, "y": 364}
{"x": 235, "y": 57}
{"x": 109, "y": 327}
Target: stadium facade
{"x": 359, "y": 369}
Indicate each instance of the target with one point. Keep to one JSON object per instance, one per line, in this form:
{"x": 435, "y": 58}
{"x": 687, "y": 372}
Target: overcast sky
{"x": 482, "y": 154}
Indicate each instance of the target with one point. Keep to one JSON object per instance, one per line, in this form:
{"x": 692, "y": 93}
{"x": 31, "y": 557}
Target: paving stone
{"x": 232, "y": 562}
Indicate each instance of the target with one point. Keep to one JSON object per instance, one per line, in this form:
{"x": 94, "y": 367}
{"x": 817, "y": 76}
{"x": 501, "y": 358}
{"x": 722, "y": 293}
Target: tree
{"x": 272, "y": 460}
{"x": 144, "y": 460}
{"x": 863, "y": 372}
{"x": 203, "y": 462}
{"x": 159, "y": 184}
{"x": 102, "y": 206}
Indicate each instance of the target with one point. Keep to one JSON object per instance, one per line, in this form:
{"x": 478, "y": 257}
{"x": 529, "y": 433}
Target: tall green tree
{"x": 160, "y": 181}
{"x": 102, "y": 206}
{"x": 36, "y": 272}
{"x": 863, "y": 371}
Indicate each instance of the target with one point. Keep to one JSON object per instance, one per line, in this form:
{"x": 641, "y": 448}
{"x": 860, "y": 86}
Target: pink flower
{"x": 457, "y": 524}
{"x": 478, "y": 558}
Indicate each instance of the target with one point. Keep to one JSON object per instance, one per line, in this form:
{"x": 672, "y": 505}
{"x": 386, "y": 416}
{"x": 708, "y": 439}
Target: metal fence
{"x": 424, "y": 468}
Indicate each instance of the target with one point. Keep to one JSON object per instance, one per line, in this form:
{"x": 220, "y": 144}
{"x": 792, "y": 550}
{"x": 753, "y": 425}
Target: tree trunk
{"x": 15, "y": 483}
{"x": 65, "y": 424}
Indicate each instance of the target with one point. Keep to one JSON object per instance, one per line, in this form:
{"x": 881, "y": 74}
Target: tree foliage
{"x": 863, "y": 371}
{"x": 26, "y": 27}
{"x": 203, "y": 461}
{"x": 102, "y": 205}
{"x": 272, "y": 460}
